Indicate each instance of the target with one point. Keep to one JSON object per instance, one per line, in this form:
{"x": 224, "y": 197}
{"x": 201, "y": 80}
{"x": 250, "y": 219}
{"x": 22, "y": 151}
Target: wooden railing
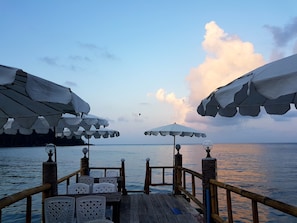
{"x": 181, "y": 185}
{"x": 149, "y": 181}
{"x": 255, "y": 199}
{"x": 189, "y": 190}
{"x": 27, "y": 194}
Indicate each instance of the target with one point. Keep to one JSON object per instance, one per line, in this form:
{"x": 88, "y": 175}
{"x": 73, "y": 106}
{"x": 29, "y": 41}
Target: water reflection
{"x": 267, "y": 169}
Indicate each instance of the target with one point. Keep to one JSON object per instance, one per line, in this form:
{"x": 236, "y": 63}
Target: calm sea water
{"x": 267, "y": 169}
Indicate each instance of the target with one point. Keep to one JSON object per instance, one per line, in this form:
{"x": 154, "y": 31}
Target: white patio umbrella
{"x": 25, "y": 97}
{"x": 272, "y": 86}
{"x": 69, "y": 121}
{"x": 93, "y": 132}
{"x": 41, "y": 126}
{"x": 175, "y": 130}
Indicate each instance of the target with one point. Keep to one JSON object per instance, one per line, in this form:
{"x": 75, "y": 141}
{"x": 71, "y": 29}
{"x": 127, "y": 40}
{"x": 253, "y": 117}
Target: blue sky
{"x": 158, "y": 59}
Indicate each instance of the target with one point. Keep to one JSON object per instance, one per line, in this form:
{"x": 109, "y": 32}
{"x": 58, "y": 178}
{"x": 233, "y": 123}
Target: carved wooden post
{"x": 177, "y": 171}
{"x": 209, "y": 171}
{"x": 84, "y": 163}
{"x": 49, "y": 175}
{"x": 147, "y": 177}
{"x": 123, "y": 175}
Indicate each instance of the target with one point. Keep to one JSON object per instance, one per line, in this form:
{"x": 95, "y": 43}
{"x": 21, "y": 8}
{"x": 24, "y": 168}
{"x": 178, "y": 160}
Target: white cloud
{"x": 180, "y": 105}
{"x": 227, "y": 57}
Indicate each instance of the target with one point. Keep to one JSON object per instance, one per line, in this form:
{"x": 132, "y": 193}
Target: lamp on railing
{"x": 50, "y": 149}
{"x": 207, "y": 145}
{"x": 177, "y": 147}
{"x": 85, "y": 151}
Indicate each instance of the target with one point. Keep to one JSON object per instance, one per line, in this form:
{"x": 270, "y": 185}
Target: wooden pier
{"x": 158, "y": 208}
{"x": 147, "y": 207}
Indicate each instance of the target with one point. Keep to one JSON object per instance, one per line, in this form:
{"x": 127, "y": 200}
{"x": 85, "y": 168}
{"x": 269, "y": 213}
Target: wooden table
{"x": 113, "y": 199}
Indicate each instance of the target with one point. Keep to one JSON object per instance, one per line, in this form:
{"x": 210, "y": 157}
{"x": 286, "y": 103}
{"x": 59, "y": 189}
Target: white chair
{"x": 78, "y": 188}
{"x": 96, "y": 174}
{"x": 90, "y": 207}
{"x": 86, "y": 179}
{"x": 59, "y": 209}
{"x": 100, "y": 221}
{"x": 104, "y": 188}
{"x": 113, "y": 180}
{"x": 112, "y": 173}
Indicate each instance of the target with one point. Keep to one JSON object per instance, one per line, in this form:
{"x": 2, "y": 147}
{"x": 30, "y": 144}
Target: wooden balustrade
{"x": 255, "y": 199}
{"x": 28, "y": 193}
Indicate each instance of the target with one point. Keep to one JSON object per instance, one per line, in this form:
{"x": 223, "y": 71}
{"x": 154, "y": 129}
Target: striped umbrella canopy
{"x": 41, "y": 125}
{"x": 93, "y": 132}
{"x": 25, "y": 97}
{"x": 272, "y": 86}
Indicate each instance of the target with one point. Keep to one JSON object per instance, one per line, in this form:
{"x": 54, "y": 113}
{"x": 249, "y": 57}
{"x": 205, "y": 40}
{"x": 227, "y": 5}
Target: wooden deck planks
{"x": 157, "y": 208}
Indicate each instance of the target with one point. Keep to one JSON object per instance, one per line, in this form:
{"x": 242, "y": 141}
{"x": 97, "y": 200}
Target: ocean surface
{"x": 267, "y": 169}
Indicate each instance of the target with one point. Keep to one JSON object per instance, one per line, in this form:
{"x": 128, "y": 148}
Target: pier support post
{"x": 147, "y": 177}
{"x": 84, "y": 163}
{"x": 49, "y": 175}
{"x": 49, "y": 172}
{"x": 123, "y": 175}
{"x": 177, "y": 171}
{"x": 209, "y": 171}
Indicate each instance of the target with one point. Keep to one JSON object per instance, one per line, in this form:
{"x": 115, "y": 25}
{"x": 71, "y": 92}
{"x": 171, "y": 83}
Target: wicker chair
{"x": 59, "y": 209}
{"x": 90, "y": 207}
{"x": 78, "y": 188}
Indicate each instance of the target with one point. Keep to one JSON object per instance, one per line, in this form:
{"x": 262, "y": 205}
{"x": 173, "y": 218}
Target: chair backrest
{"x": 104, "y": 188}
{"x": 100, "y": 221}
{"x": 113, "y": 180}
{"x": 59, "y": 209}
{"x": 112, "y": 173}
{"x": 86, "y": 179}
{"x": 78, "y": 188}
{"x": 90, "y": 207}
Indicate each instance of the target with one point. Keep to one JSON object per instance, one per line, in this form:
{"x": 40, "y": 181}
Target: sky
{"x": 144, "y": 64}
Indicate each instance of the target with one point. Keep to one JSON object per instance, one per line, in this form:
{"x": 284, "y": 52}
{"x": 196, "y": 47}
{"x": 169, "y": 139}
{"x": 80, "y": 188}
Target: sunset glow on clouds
{"x": 146, "y": 64}
{"x": 227, "y": 57}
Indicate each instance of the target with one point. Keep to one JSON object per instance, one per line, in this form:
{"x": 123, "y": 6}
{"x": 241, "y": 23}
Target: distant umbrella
{"x": 96, "y": 133}
{"x": 41, "y": 125}
{"x": 272, "y": 86}
{"x": 175, "y": 130}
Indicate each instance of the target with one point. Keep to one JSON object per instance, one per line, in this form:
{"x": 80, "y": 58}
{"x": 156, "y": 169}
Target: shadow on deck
{"x": 161, "y": 208}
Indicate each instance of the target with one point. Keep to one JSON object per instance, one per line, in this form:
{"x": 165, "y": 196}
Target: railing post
{"x": 49, "y": 176}
{"x": 147, "y": 177}
{"x": 177, "y": 171}
{"x": 123, "y": 175}
{"x": 209, "y": 171}
{"x": 84, "y": 163}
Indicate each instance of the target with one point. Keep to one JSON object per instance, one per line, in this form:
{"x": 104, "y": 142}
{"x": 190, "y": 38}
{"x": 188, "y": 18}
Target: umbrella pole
{"x": 55, "y": 143}
{"x": 173, "y": 149}
{"x": 89, "y": 148}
